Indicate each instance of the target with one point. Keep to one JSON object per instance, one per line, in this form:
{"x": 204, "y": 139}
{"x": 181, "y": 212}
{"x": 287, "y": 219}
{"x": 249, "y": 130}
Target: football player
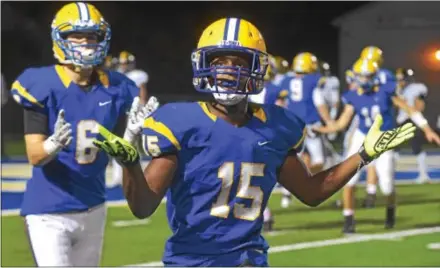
{"x": 414, "y": 94}
{"x": 126, "y": 64}
{"x": 330, "y": 91}
{"x": 63, "y": 205}
{"x": 369, "y": 100}
{"x": 272, "y": 93}
{"x": 218, "y": 161}
{"x": 307, "y": 102}
{"x": 384, "y": 76}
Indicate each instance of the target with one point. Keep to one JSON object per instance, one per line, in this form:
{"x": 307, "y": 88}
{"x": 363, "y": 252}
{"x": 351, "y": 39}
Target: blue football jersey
{"x": 368, "y": 104}
{"x": 300, "y": 100}
{"x": 75, "y": 179}
{"x": 385, "y": 76}
{"x": 224, "y": 179}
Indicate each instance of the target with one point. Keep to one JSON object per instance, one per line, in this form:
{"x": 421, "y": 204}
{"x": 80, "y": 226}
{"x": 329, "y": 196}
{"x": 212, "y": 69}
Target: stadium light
{"x": 437, "y": 55}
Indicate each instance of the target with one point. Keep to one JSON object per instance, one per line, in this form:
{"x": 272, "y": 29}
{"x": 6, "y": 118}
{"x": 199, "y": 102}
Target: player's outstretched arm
{"x": 339, "y": 124}
{"x": 315, "y": 189}
{"x": 418, "y": 119}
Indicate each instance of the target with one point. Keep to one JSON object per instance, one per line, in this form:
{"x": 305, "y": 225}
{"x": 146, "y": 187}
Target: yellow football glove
{"x": 117, "y": 147}
{"x": 377, "y": 142}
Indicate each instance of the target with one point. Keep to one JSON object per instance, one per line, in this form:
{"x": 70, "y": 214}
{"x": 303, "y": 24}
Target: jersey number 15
{"x": 245, "y": 190}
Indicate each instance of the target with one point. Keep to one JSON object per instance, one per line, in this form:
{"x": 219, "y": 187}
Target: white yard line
{"x": 130, "y": 223}
{"x": 339, "y": 241}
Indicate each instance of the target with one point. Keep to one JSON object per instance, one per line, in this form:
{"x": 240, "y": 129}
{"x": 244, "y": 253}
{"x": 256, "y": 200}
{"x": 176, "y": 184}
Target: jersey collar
{"x": 65, "y": 79}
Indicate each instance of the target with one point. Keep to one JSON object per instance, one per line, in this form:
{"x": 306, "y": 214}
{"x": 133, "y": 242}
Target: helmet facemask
{"x": 83, "y": 55}
{"x": 229, "y": 83}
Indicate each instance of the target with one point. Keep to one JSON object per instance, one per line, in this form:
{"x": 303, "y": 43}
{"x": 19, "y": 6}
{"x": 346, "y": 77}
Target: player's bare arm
{"x": 312, "y": 190}
{"x": 315, "y": 189}
{"x": 339, "y": 124}
{"x": 418, "y": 119}
{"x": 144, "y": 190}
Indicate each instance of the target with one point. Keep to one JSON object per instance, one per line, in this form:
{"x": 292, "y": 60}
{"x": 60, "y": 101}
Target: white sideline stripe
{"x": 338, "y": 241}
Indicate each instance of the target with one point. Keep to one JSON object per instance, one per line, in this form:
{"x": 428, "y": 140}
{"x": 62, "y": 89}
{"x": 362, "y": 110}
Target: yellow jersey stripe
{"x": 25, "y": 94}
{"x": 162, "y": 129}
{"x": 300, "y": 140}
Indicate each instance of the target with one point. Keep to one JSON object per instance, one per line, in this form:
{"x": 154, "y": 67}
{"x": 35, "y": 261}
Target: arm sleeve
{"x": 35, "y": 123}
{"x": 163, "y": 131}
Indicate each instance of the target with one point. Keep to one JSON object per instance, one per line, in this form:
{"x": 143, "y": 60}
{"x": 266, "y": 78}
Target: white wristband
{"x": 51, "y": 147}
{"x": 418, "y": 119}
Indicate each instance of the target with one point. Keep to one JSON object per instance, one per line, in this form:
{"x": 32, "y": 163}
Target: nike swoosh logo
{"x": 104, "y": 103}
{"x": 263, "y": 143}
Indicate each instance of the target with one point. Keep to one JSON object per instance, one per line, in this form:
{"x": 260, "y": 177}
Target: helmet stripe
{"x": 83, "y": 11}
{"x": 237, "y": 29}
{"x": 225, "y": 31}
{"x": 232, "y": 25}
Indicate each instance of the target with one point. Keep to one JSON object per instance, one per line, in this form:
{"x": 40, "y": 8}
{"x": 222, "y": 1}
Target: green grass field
{"x": 419, "y": 207}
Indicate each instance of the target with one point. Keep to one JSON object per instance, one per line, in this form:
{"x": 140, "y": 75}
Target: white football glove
{"x": 61, "y": 137}
{"x": 136, "y": 117}
{"x": 377, "y": 142}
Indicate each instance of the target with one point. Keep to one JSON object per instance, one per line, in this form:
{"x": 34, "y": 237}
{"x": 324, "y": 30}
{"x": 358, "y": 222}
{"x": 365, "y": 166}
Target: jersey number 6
{"x": 85, "y": 150}
{"x": 221, "y": 209}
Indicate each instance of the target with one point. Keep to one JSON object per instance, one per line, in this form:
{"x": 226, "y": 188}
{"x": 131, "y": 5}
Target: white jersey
{"x": 139, "y": 77}
{"x": 330, "y": 90}
{"x": 410, "y": 93}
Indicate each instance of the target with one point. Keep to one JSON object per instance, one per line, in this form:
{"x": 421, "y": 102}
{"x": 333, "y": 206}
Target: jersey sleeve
{"x": 346, "y": 97}
{"x": 128, "y": 89}
{"x": 423, "y": 92}
{"x": 138, "y": 77}
{"x": 28, "y": 92}
{"x": 293, "y": 129}
{"x": 163, "y": 131}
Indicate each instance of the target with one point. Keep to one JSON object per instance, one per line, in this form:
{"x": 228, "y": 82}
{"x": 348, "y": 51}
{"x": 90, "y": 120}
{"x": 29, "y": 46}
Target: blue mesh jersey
{"x": 300, "y": 100}
{"x": 386, "y": 76}
{"x": 368, "y": 104}
{"x": 75, "y": 179}
{"x": 224, "y": 178}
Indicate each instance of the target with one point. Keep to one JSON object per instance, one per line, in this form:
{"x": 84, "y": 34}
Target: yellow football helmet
{"x": 365, "y": 71}
{"x": 85, "y": 18}
{"x": 277, "y": 65}
{"x": 305, "y": 63}
{"x": 349, "y": 76}
{"x": 372, "y": 53}
{"x": 230, "y": 37}
{"x": 125, "y": 62}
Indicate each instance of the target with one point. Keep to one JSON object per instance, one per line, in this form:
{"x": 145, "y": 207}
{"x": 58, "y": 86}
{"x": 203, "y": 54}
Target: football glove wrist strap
{"x": 366, "y": 159}
{"x": 51, "y": 147}
{"x": 129, "y": 136}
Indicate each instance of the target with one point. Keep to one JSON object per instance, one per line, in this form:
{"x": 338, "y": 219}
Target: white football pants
{"x": 384, "y": 164}
{"x": 70, "y": 239}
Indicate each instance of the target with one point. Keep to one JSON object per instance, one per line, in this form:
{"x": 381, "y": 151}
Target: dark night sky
{"x": 163, "y": 34}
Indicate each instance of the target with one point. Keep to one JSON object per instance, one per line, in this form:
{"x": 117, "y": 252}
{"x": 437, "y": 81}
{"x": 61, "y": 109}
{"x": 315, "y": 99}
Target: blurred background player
{"x": 414, "y": 94}
{"x": 383, "y": 76}
{"x": 306, "y": 100}
{"x": 330, "y": 90}
{"x": 368, "y": 100}
{"x": 63, "y": 204}
{"x": 272, "y": 93}
{"x": 126, "y": 64}
{"x": 110, "y": 63}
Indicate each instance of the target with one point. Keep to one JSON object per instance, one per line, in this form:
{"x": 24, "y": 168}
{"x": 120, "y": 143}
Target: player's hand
{"x": 431, "y": 136}
{"x": 117, "y": 147}
{"x": 377, "y": 142}
{"x": 137, "y": 115}
{"x": 61, "y": 137}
